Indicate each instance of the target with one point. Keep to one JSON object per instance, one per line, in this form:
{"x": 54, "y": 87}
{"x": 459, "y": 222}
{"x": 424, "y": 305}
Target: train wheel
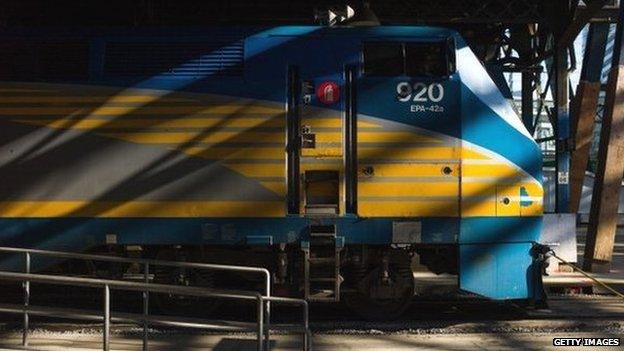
{"x": 382, "y": 295}
{"x": 177, "y": 304}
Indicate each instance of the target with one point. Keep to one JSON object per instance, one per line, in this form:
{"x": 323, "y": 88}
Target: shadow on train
{"x": 66, "y": 148}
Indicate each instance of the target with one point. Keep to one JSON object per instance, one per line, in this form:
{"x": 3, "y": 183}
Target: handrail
{"x": 127, "y": 285}
{"x": 146, "y": 287}
{"x": 144, "y": 261}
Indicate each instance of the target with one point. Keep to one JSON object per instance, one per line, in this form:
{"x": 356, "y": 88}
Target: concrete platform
{"x": 428, "y": 281}
{"x": 430, "y": 326}
{"x": 577, "y": 279}
{"x": 434, "y": 325}
{"x": 374, "y": 341}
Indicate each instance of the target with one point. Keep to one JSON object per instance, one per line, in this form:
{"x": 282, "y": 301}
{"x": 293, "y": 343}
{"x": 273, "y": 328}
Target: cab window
{"x": 414, "y": 59}
{"x": 383, "y": 59}
{"x": 426, "y": 59}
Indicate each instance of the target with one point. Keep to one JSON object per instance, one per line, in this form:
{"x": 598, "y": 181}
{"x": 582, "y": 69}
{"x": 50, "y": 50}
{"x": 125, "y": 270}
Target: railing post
{"x": 106, "y": 333}
{"x": 260, "y": 302}
{"x": 267, "y": 336}
{"x": 26, "y": 301}
{"x": 145, "y": 308}
{"x": 306, "y": 328}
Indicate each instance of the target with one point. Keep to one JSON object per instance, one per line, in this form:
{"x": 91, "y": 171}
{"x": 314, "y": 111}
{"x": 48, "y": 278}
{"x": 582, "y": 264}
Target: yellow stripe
{"x": 258, "y": 170}
{"x": 472, "y": 154}
{"x": 182, "y": 209}
{"x": 224, "y": 153}
{"x": 533, "y": 188}
{"x": 397, "y": 137}
{"x": 478, "y": 189}
{"x": 141, "y": 209}
{"x": 376, "y": 137}
{"x": 408, "y": 209}
{"x": 408, "y": 189}
{"x": 478, "y": 208}
{"x": 512, "y": 208}
{"x": 161, "y": 123}
{"x": 495, "y": 170}
{"x": 213, "y": 137}
{"x": 140, "y": 110}
{"x": 409, "y": 170}
{"x": 322, "y": 152}
{"x": 493, "y": 193}
{"x": 22, "y": 90}
{"x": 226, "y": 121}
{"x": 90, "y": 98}
{"x": 276, "y": 187}
{"x": 535, "y": 209}
{"x": 481, "y": 206}
{"x": 332, "y": 123}
{"x": 424, "y": 153}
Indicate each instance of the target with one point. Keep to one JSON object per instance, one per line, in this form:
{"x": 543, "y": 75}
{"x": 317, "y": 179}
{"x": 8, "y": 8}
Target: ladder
{"x": 322, "y": 277}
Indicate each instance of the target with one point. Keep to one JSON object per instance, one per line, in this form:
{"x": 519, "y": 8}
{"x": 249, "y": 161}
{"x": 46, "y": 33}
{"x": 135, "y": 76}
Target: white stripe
{"x": 526, "y": 198}
{"x": 474, "y": 76}
{"x": 476, "y": 161}
{"x": 500, "y": 180}
{"x": 494, "y": 156}
{"x": 482, "y": 198}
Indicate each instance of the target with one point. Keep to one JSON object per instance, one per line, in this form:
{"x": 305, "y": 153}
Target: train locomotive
{"x": 334, "y": 156}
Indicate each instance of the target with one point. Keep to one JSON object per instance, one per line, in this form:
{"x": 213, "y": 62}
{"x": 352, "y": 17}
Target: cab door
{"x": 315, "y": 116}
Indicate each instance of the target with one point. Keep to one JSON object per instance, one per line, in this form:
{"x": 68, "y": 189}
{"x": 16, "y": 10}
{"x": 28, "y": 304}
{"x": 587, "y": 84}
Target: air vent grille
{"x": 178, "y": 59}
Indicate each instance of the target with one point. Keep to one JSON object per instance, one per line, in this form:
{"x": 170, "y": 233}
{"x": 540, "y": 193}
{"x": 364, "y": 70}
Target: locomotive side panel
{"x": 181, "y": 140}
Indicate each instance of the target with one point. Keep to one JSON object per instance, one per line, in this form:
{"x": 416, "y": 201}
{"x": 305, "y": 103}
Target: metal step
{"x": 324, "y": 235}
{"x": 322, "y": 251}
{"x": 323, "y": 230}
{"x": 322, "y": 296}
{"x": 322, "y": 260}
{"x": 321, "y": 210}
{"x": 323, "y": 280}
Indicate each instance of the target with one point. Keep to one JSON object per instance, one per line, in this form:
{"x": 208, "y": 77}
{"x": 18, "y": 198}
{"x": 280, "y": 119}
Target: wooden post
{"x": 610, "y": 169}
{"x": 584, "y": 113}
{"x": 583, "y": 109}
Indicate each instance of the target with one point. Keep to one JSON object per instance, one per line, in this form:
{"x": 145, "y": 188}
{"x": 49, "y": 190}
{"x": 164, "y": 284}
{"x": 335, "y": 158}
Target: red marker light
{"x": 328, "y": 93}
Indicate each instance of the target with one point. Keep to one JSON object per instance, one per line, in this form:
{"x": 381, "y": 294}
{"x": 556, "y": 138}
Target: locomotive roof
{"x": 424, "y": 32}
{"x": 379, "y": 31}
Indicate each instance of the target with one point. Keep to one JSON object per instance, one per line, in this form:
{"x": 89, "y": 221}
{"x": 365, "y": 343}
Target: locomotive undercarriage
{"x": 376, "y": 281}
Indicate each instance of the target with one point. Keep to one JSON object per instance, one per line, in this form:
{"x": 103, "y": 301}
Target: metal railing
{"x": 262, "y": 325}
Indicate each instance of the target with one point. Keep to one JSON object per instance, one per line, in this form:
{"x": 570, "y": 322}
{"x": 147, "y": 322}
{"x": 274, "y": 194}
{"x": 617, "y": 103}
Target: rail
{"x": 262, "y": 325}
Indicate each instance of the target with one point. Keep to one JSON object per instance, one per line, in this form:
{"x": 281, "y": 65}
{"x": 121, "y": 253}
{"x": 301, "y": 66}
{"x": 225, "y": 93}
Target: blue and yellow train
{"x": 330, "y": 155}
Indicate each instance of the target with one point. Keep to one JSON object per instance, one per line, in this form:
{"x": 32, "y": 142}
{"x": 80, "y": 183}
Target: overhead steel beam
{"x": 608, "y": 14}
{"x": 523, "y": 41}
{"x": 33, "y": 12}
{"x": 610, "y": 169}
{"x": 562, "y": 130}
{"x": 581, "y": 18}
{"x": 584, "y": 106}
{"x": 560, "y": 116}
{"x": 527, "y": 100}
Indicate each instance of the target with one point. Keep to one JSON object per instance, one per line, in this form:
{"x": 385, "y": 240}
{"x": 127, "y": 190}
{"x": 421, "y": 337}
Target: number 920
{"x": 420, "y": 92}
